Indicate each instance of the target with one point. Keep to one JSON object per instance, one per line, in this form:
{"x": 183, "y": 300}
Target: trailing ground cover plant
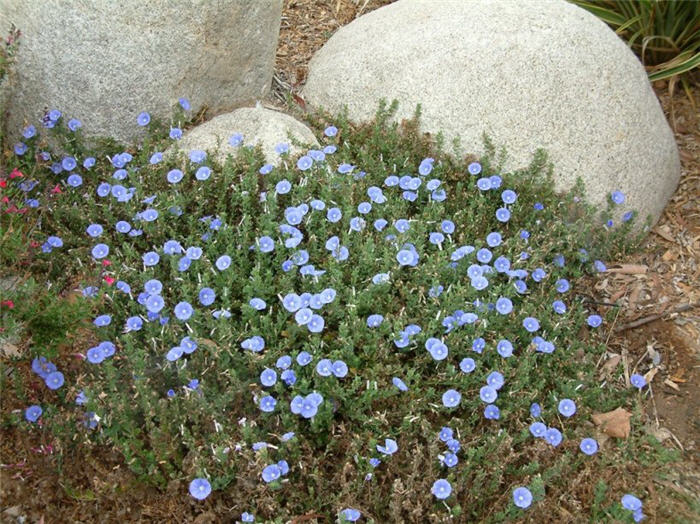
{"x": 320, "y": 333}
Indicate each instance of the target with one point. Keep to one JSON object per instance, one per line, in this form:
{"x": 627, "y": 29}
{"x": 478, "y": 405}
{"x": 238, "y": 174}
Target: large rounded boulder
{"x": 536, "y": 74}
{"x": 104, "y": 62}
{"x": 251, "y": 126}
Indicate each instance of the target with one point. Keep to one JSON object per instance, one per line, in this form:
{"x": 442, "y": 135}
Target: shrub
{"x": 370, "y": 316}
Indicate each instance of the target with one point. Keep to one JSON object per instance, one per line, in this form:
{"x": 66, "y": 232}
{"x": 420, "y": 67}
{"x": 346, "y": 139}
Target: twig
{"x": 651, "y": 318}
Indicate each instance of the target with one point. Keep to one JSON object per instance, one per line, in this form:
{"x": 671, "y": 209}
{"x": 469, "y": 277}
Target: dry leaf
{"x": 615, "y": 423}
{"x": 649, "y": 375}
{"x": 610, "y": 365}
{"x": 8, "y": 350}
{"x": 628, "y": 269}
{"x": 672, "y": 384}
{"x": 665, "y": 233}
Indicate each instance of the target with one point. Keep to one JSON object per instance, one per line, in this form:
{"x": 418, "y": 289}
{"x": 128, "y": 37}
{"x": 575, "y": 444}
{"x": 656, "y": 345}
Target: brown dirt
{"x": 39, "y": 483}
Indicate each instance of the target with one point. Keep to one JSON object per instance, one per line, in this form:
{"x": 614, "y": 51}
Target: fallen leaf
{"x": 615, "y": 423}
{"x": 610, "y": 365}
{"x": 672, "y": 384}
{"x": 665, "y": 233}
{"x": 649, "y": 375}
{"x": 628, "y": 269}
{"x": 8, "y": 350}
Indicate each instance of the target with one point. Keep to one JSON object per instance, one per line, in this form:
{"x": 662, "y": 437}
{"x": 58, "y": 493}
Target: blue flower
{"x": 400, "y": 384}
{"x": 271, "y": 473}
{"x": 316, "y": 324}
{"x": 594, "y": 321}
{"x": 407, "y": 257}
{"x": 531, "y": 324}
{"x": 304, "y": 162}
{"x": 345, "y": 168}
{"x": 183, "y": 311}
{"x": 491, "y": 412}
{"x": 474, "y": 168}
{"x": 504, "y": 348}
{"x": 522, "y": 497}
{"x": 154, "y": 303}
{"x": 495, "y": 380}
{"x": 467, "y": 365}
{"x": 32, "y": 413}
{"x": 638, "y": 381}
{"x": 450, "y": 460}
{"x": 504, "y": 305}
{"x": 103, "y": 320}
{"x": 29, "y": 132}
{"x": 567, "y": 407}
{"x": 203, "y": 173}
{"x": 304, "y": 358}
{"x": 484, "y": 184}
{"x": 441, "y": 489}
{"x": 618, "y": 197}
{"x": 255, "y": 344}
{"x": 267, "y": 404}
{"x": 350, "y": 514}
{"x": 74, "y": 124}
{"x": 200, "y": 488}
{"x": 559, "y": 307}
{"x": 502, "y": 214}
{"x": 553, "y": 436}
{"x": 535, "y": 410}
{"x": 451, "y": 398}
{"x": 134, "y": 323}
{"x": 340, "y": 369}
{"x": 631, "y": 503}
{"x": 374, "y": 321}
{"x": 143, "y": 119}
{"x": 266, "y": 244}
{"x": 223, "y": 262}
{"x": 334, "y": 215}
{"x": 150, "y": 259}
{"x": 484, "y": 255}
{"x": 589, "y": 446}
{"x": 54, "y": 380}
{"x": 280, "y": 148}
{"x": 437, "y": 349}
{"x": 426, "y": 166}
{"x": 562, "y": 285}
{"x": 488, "y": 394}
{"x": 508, "y": 196}
{"x": 389, "y": 448}
{"x": 330, "y": 131}
{"x": 100, "y": 251}
{"x": 324, "y": 367}
{"x": 538, "y": 429}
{"x": 174, "y": 176}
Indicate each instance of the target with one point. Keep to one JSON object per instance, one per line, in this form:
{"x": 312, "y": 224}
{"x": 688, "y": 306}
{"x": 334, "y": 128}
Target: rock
{"x": 104, "y": 62}
{"x": 542, "y": 73}
{"x": 257, "y": 125}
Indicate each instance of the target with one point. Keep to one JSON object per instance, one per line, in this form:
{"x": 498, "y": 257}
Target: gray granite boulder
{"x": 257, "y": 125}
{"x": 104, "y": 62}
{"x": 541, "y": 73}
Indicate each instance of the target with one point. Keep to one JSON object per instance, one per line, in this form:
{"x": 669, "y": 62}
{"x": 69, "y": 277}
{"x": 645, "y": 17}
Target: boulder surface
{"x": 536, "y": 74}
{"x": 104, "y": 62}
{"x": 256, "y": 125}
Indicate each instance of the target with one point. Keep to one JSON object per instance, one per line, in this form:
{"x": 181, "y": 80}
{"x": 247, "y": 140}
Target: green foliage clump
{"x": 199, "y": 414}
